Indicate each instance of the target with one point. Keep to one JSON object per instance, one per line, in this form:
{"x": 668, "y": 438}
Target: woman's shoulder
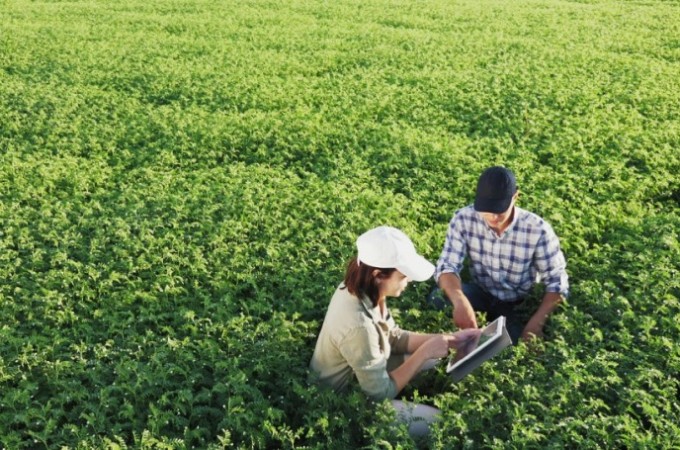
{"x": 344, "y": 300}
{"x": 347, "y": 311}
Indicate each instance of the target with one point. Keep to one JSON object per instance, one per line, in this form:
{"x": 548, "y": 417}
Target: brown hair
{"x": 360, "y": 280}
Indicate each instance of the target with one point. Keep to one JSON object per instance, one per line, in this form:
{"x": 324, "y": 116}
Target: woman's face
{"x": 394, "y": 285}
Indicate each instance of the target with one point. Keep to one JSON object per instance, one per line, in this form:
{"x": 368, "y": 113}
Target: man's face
{"x": 499, "y": 221}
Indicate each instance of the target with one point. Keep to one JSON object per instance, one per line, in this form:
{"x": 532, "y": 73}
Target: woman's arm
{"x": 415, "y": 340}
{"x": 437, "y": 346}
{"x": 424, "y": 347}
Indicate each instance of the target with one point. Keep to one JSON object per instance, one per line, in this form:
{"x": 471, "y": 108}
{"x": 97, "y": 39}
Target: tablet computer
{"x": 493, "y": 338}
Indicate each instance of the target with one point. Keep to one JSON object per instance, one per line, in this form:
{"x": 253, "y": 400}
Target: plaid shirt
{"x": 509, "y": 265}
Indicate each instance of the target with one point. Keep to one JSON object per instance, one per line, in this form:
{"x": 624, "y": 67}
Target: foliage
{"x": 182, "y": 181}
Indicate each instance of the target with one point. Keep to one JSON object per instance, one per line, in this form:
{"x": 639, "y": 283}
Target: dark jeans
{"x": 482, "y": 301}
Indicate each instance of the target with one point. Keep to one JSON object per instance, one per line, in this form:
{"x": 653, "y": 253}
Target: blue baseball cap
{"x": 495, "y": 189}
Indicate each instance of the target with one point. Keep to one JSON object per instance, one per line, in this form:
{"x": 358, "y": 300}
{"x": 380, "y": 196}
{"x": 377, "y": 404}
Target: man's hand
{"x": 532, "y": 331}
{"x": 464, "y": 315}
{"x": 534, "y": 328}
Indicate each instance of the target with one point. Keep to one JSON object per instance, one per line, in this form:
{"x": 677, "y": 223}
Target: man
{"x": 509, "y": 250}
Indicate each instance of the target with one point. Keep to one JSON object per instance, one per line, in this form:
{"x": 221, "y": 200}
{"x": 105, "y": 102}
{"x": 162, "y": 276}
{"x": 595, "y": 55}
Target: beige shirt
{"x": 356, "y": 340}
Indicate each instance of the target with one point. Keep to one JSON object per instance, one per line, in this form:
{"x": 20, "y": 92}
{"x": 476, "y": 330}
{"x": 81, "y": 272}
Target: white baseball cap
{"x": 387, "y": 247}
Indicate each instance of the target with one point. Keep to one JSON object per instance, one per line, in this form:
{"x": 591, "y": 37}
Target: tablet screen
{"x": 490, "y": 333}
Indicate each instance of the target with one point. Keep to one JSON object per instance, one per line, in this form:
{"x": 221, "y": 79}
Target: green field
{"x": 182, "y": 182}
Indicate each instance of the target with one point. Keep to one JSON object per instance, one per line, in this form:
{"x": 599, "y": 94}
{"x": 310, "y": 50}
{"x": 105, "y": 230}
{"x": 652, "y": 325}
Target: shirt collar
{"x": 372, "y": 311}
{"x": 515, "y": 215}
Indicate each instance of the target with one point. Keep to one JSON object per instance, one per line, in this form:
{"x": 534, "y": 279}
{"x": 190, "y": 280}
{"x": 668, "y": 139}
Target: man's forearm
{"x": 463, "y": 313}
{"x": 534, "y": 328}
{"x": 550, "y": 302}
{"x": 451, "y": 285}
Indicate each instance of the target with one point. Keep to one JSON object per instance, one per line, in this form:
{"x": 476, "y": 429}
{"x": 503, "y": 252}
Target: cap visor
{"x": 417, "y": 269}
{"x": 495, "y": 206}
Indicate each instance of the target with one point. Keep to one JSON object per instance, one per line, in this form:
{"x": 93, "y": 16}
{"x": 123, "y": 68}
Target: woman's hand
{"x": 463, "y": 338}
{"x": 467, "y": 333}
{"x": 438, "y": 346}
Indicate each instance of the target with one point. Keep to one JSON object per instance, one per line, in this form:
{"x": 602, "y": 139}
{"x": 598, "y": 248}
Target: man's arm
{"x": 551, "y": 264}
{"x": 463, "y": 314}
{"x": 448, "y": 269}
{"x": 534, "y": 328}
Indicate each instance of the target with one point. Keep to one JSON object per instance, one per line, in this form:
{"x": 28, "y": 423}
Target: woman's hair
{"x": 360, "y": 280}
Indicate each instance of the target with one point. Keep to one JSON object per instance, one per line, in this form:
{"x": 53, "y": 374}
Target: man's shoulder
{"x": 528, "y": 215}
{"x": 532, "y": 220}
{"x": 466, "y": 212}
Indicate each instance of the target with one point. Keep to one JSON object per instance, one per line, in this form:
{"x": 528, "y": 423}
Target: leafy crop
{"x": 181, "y": 184}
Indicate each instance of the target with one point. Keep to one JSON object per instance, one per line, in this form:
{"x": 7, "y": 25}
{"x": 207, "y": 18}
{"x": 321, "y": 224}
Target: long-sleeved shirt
{"x": 505, "y": 266}
{"x": 356, "y": 340}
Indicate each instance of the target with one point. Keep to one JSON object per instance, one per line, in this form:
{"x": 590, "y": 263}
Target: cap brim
{"x": 495, "y": 205}
{"x": 417, "y": 269}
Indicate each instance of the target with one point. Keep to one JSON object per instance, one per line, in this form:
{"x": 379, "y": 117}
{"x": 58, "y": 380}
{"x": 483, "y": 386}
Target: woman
{"x": 359, "y": 338}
